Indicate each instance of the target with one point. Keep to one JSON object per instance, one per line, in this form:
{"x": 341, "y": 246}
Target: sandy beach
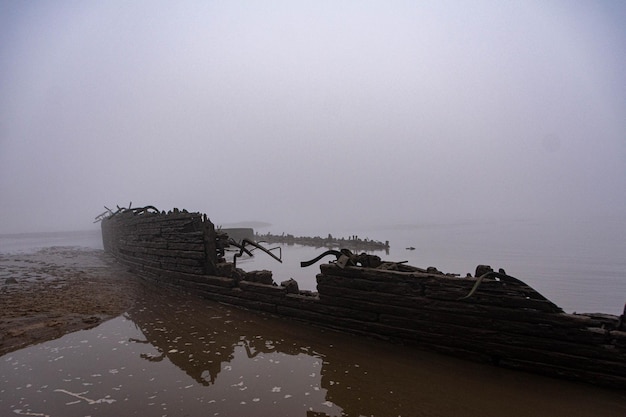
{"x": 58, "y": 290}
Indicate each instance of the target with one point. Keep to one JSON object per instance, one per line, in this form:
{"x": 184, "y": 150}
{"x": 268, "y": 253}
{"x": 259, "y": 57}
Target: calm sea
{"x": 31, "y": 242}
{"x": 579, "y": 265}
{"x": 175, "y": 355}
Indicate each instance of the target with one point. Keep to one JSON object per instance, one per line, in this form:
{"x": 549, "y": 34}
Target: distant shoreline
{"x": 352, "y": 242}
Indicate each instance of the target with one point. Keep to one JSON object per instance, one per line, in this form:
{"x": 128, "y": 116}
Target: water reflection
{"x": 200, "y": 337}
{"x": 220, "y": 346}
{"x": 173, "y": 354}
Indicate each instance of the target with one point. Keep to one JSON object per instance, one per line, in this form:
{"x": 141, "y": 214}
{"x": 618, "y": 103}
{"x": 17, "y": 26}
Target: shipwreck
{"x": 490, "y": 317}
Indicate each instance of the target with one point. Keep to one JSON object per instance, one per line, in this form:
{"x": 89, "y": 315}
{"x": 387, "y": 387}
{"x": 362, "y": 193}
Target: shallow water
{"x": 32, "y": 242}
{"x": 175, "y": 355}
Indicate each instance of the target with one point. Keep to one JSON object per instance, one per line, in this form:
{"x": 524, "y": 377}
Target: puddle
{"x": 173, "y": 355}
{"x": 113, "y": 370}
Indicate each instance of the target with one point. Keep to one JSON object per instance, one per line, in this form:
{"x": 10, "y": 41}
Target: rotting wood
{"x": 496, "y": 318}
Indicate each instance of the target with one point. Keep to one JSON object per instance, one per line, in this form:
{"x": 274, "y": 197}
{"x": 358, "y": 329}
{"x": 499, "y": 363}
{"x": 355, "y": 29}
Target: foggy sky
{"x": 327, "y": 113}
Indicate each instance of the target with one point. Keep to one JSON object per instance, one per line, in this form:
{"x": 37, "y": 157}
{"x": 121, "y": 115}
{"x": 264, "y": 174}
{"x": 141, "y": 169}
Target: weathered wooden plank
{"x": 441, "y": 286}
{"x": 618, "y": 339}
{"x": 333, "y": 313}
{"x": 191, "y": 237}
{"x": 177, "y": 253}
{"x": 375, "y": 274}
{"x": 576, "y": 331}
{"x": 237, "y": 300}
{"x": 303, "y": 314}
{"x": 263, "y": 288}
{"x": 404, "y": 288}
{"x": 136, "y": 264}
{"x": 143, "y": 232}
{"x": 466, "y": 343}
{"x": 180, "y": 261}
{"x": 182, "y": 268}
{"x": 138, "y": 245}
{"x": 194, "y": 247}
{"x": 321, "y": 316}
{"x": 557, "y": 342}
{"x": 372, "y": 300}
{"x": 214, "y": 281}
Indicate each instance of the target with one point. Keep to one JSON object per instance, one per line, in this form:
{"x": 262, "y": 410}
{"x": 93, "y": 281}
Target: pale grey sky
{"x": 311, "y": 112}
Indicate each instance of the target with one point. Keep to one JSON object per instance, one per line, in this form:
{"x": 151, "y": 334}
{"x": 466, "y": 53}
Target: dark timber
{"x": 491, "y": 317}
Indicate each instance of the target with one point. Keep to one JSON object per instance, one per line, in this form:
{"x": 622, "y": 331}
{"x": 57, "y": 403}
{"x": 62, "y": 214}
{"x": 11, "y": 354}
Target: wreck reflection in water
{"x": 235, "y": 362}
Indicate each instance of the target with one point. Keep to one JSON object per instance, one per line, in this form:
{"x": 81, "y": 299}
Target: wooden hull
{"x": 501, "y": 323}
{"x": 504, "y": 321}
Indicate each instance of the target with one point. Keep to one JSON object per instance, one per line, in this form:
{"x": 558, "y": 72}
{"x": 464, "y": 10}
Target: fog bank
{"x": 317, "y": 113}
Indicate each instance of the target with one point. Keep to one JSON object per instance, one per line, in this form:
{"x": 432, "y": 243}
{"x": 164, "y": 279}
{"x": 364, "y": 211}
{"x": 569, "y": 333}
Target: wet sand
{"x": 58, "y": 290}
